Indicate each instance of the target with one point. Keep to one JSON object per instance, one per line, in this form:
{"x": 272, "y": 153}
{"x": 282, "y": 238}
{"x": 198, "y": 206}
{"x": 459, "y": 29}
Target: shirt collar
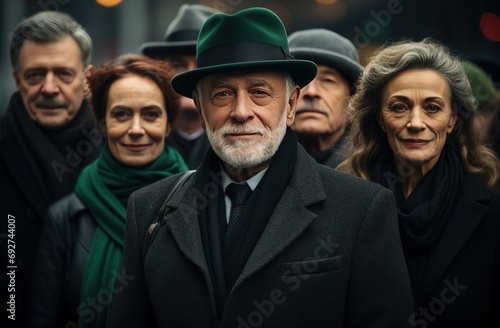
{"x": 252, "y": 182}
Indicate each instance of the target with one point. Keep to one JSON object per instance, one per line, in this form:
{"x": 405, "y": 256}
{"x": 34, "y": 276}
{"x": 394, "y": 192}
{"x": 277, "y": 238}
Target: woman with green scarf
{"x": 78, "y": 264}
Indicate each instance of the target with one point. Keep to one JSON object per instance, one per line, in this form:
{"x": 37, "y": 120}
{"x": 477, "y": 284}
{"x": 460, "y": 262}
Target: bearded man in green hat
{"x": 260, "y": 235}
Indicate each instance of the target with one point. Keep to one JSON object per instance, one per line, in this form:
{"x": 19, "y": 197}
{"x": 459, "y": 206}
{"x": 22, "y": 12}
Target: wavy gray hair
{"x": 366, "y": 136}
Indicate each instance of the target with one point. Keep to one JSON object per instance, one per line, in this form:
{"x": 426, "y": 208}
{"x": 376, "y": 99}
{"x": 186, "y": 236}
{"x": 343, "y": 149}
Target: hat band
{"x": 241, "y": 52}
{"x": 182, "y": 36}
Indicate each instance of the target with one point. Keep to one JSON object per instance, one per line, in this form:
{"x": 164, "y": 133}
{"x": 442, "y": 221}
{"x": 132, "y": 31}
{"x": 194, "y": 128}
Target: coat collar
{"x": 470, "y": 209}
{"x": 304, "y": 189}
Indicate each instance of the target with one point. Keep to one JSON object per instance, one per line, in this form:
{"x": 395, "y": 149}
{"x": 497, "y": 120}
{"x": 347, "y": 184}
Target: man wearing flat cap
{"x": 179, "y": 50}
{"x": 260, "y": 235}
{"x": 321, "y": 115}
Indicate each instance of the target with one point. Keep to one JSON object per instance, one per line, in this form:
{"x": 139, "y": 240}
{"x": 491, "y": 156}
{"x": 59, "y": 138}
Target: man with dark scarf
{"x": 311, "y": 247}
{"x": 48, "y": 135}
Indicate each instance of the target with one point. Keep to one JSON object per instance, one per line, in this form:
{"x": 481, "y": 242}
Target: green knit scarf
{"x": 104, "y": 187}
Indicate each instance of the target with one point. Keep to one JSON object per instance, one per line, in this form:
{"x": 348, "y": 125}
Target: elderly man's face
{"x": 322, "y": 105}
{"x": 246, "y": 115}
{"x": 51, "y": 80}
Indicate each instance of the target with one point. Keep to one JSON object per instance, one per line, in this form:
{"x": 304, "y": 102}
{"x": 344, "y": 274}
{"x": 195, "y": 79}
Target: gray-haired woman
{"x": 412, "y": 131}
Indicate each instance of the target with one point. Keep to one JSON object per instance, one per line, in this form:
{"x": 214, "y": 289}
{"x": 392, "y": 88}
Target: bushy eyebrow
{"x": 45, "y": 69}
{"x": 250, "y": 82}
{"x": 259, "y": 82}
{"x": 219, "y": 84}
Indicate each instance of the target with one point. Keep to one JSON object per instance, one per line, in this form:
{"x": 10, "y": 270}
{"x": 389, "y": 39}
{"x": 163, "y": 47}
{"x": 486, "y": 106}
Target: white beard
{"x": 247, "y": 153}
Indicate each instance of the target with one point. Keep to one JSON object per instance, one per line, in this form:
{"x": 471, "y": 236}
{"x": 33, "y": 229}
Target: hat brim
{"x": 163, "y": 49}
{"x": 347, "y": 66}
{"x": 302, "y": 72}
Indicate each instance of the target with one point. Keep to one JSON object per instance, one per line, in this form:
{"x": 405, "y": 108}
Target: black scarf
{"x": 330, "y": 156}
{"x": 423, "y": 215}
{"x": 227, "y": 261}
{"x": 38, "y": 159}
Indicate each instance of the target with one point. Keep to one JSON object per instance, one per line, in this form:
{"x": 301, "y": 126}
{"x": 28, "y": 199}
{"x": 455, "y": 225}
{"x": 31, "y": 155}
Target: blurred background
{"x": 470, "y": 27}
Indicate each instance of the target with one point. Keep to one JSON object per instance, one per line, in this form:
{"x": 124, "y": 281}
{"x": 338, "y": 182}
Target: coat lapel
{"x": 185, "y": 227}
{"x": 290, "y": 212}
{"x": 467, "y": 215}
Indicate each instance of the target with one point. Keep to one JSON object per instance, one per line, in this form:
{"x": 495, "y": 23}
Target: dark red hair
{"x": 126, "y": 65}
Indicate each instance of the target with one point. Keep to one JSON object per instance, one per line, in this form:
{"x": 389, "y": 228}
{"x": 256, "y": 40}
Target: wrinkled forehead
{"x": 245, "y": 78}
{"x": 59, "y": 53}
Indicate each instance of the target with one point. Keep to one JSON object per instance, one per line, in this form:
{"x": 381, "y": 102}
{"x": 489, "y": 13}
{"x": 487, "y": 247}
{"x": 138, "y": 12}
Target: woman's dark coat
{"x": 461, "y": 285}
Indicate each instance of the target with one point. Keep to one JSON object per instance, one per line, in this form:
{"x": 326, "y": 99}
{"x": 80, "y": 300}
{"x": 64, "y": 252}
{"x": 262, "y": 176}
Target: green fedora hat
{"x": 252, "y": 39}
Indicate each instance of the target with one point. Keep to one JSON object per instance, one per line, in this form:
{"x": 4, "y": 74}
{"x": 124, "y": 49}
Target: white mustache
{"x": 240, "y": 129}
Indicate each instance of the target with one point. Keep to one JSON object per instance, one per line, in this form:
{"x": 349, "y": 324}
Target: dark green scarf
{"x": 104, "y": 187}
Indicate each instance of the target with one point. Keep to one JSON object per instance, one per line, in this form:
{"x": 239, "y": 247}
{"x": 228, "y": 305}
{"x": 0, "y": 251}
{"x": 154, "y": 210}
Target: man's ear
{"x": 198, "y": 107}
{"x": 86, "y": 84}
{"x": 16, "y": 79}
{"x": 292, "y": 105}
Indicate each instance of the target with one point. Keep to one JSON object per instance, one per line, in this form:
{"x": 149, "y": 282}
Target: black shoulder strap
{"x": 159, "y": 220}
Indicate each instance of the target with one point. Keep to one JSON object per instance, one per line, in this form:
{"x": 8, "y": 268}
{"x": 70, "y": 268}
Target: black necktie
{"x": 238, "y": 193}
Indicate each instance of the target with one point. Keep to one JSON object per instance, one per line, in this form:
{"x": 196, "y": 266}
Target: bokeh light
{"x": 325, "y": 2}
{"x": 490, "y": 26}
{"x": 109, "y": 3}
